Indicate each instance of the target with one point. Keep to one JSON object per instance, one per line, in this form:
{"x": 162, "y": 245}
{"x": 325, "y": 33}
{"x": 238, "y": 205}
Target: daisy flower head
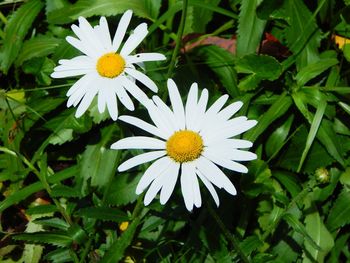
{"x": 107, "y": 66}
{"x": 189, "y": 141}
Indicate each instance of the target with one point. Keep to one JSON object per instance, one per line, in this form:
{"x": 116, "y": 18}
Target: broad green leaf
{"x": 15, "y": 31}
{"x": 340, "y": 243}
{"x": 314, "y": 69}
{"x": 124, "y": 187}
{"x": 104, "y": 214}
{"x": 346, "y": 51}
{"x": 300, "y": 228}
{"x": 313, "y": 131}
{"x": 41, "y": 209}
{"x": 61, "y": 137}
{"x": 56, "y": 238}
{"x": 302, "y": 33}
{"x": 340, "y": 212}
{"x": 98, "y": 162}
{"x": 276, "y": 110}
{"x": 319, "y": 233}
{"x": 250, "y": 28}
{"x": 53, "y": 222}
{"x": 278, "y": 137}
{"x": 251, "y": 243}
{"x": 65, "y": 191}
{"x": 60, "y": 255}
{"x": 23, "y": 193}
{"x": 267, "y": 7}
{"x": 39, "y": 46}
{"x": 220, "y": 61}
{"x": 289, "y": 181}
{"x": 202, "y": 15}
{"x": 77, "y": 234}
{"x": 87, "y": 8}
{"x": 285, "y": 250}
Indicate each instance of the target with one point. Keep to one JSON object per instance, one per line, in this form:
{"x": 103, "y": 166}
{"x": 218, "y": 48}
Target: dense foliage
{"x": 62, "y": 199}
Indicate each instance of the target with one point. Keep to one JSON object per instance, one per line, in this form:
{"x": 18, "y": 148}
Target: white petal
{"x": 176, "y": 103}
{"x": 231, "y": 143}
{"x": 101, "y": 100}
{"x": 200, "y": 112}
{"x": 79, "y": 62}
{"x": 121, "y": 30}
{"x": 138, "y": 142}
{"x": 143, "y": 125}
{"x": 156, "y": 185}
{"x": 225, "y": 162}
{"x": 112, "y": 106}
{"x": 103, "y": 31}
{"x": 191, "y": 105}
{"x": 89, "y": 37}
{"x": 196, "y": 191}
{"x": 230, "y": 110}
{"x": 217, "y": 105}
{"x": 71, "y": 73}
{"x": 186, "y": 185}
{"x": 86, "y": 101}
{"x": 140, "y": 159}
{"x": 81, "y": 83}
{"x": 142, "y": 78}
{"x": 169, "y": 186}
{"x": 143, "y": 57}
{"x": 168, "y": 116}
{"x": 215, "y": 175}
{"x": 209, "y": 186}
{"x": 140, "y": 32}
{"x": 152, "y": 172}
{"x": 122, "y": 95}
{"x": 159, "y": 119}
{"x": 86, "y": 49}
{"x": 135, "y": 91}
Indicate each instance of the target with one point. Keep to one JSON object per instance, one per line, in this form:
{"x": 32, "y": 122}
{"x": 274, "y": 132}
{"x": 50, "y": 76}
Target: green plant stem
{"x": 179, "y": 39}
{"x": 234, "y": 241}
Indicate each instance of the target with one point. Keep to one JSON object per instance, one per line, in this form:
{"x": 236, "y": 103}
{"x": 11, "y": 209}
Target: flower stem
{"x": 234, "y": 241}
{"x": 178, "y": 39}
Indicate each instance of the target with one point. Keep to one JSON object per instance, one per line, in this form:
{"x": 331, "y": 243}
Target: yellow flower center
{"x": 110, "y": 65}
{"x": 184, "y": 146}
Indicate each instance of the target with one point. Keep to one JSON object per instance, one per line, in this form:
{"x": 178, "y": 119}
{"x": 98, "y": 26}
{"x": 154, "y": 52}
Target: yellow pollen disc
{"x": 184, "y": 146}
{"x": 110, "y": 65}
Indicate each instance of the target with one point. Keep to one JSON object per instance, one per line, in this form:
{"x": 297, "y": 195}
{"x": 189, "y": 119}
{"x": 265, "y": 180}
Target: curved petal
{"x": 139, "y": 142}
{"x": 86, "y": 101}
{"x": 135, "y": 91}
{"x": 176, "y": 103}
{"x": 187, "y": 185}
{"x": 209, "y": 186}
{"x": 123, "y": 95}
{"x": 152, "y": 172}
{"x": 143, "y": 57}
{"x": 191, "y": 105}
{"x": 140, "y": 159}
{"x": 112, "y": 106}
{"x": 168, "y": 187}
{"x": 143, "y": 125}
{"x": 225, "y": 162}
{"x": 140, "y": 32}
{"x": 80, "y": 84}
{"x": 168, "y": 116}
{"x": 142, "y": 78}
{"x": 121, "y": 30}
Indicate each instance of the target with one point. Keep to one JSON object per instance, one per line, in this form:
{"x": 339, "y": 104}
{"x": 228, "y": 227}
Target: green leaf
{"x": 313, "y": 131}
{"x": 346, "y": 52}
{"x": 300, "y": 228}
{"x": 277, "y": 109}
{"x": 104, "y": 214}
{"x": 98, "y": 161}
{"x": 41, "y": 209}
{"x": 319, "y": 233}
{"x": 53, "y": 222}
{"x": 59, "y": 255}
{"x": 221, "y": 62}
{"x": 65, "y": 191}
{"x": 39, "y": 46}
{"x": 202, "y": 15}
{"x": 302, "y": 34}
{"x": 314, "y": 69}
{"x": 124, "y": 187}
{"x": 15, "y": 31}
{"x": 278, "y": 137}
{"x": 61, "y": 137}
{"x": 340, "y": 212}
{"x": 267, "y": 7}
{"x": 250, "y": 28}
{"x": 88, "y": 8}
{"x": 289, "y": 181}
{"x": 23, "y": 193}
{"x": 251, "y": 243}
{"x": 56, "y": 238}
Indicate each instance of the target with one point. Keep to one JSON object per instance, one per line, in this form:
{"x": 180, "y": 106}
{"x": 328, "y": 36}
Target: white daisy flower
{"x": 192, "y": 141}
{"x": 107, "y": 66}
